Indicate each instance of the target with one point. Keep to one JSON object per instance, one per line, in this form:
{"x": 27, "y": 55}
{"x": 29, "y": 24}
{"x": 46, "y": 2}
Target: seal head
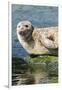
{"x": 25, "y": 28}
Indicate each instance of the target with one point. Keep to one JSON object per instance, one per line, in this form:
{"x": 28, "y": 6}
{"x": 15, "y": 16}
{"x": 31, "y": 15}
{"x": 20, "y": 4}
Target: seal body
{"x": 38, "y": 40}
{"x": 47, "y": 38}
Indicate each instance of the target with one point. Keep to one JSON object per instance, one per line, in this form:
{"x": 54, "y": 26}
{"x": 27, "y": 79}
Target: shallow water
{"x": 41, "y": 16}
{"x": 39, "y": 72}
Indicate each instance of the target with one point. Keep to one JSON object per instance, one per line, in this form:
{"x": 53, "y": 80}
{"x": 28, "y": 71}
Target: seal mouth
{"x": 23, "y": 33}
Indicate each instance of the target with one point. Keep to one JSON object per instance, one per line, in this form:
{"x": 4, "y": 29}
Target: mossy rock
{"x": 44, "y": 59}
{"x": 48, "y": 64}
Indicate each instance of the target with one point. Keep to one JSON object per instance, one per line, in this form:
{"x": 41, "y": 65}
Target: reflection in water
{"x": 37, "y": 73}
{"x": 30, "y": 78}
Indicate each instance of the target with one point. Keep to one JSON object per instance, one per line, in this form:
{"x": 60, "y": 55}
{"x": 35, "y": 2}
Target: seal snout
{"x": 20, "y": 32}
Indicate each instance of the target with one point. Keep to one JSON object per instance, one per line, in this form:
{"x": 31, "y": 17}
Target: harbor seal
{"x": 38, "y": 40}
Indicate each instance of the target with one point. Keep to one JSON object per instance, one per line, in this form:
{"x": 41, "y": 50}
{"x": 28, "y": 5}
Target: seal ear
{"x": 32, "y": 28}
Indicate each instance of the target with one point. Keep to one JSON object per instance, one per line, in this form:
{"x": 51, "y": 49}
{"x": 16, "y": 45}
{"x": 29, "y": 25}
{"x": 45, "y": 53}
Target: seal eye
{"x": 19, "y": 26}
{"x": 26, "y": 25}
